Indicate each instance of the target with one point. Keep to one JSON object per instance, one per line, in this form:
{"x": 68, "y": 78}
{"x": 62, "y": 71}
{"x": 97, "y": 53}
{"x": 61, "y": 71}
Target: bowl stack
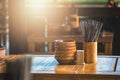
{"x": 65, "y": 51}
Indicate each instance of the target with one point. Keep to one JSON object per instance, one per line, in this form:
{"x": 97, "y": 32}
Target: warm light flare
{"x": 38, "y": 3}
{"x": 40, "y": 6}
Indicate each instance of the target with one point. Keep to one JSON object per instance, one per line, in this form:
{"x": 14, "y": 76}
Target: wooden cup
{"x": 65, "y": 51}
{"x": 90, "y": 52}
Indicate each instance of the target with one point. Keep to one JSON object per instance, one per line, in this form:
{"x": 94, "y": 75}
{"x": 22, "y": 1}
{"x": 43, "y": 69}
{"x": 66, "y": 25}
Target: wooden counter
{"x": 107, "y": 68}
{"x": 46, "y": 67}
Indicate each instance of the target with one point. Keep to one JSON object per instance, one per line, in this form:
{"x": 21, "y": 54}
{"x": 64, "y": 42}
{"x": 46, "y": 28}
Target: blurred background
{"x": 20, "y": 19}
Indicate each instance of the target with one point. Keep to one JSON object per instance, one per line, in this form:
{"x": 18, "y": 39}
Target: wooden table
{"x": 107, "y": 68}
{"x": 46, "y": 67}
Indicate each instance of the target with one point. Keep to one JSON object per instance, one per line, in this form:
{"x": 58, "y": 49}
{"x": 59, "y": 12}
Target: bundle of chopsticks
{"x": 18, "y": 67}
{"x": 90, "y": 29}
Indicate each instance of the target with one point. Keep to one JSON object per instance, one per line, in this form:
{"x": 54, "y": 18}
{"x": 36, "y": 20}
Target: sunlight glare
{"x": 38, "y": 3}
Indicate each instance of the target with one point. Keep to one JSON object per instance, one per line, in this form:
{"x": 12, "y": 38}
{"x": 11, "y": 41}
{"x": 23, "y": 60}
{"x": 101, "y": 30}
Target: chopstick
{"x": 91, "y": 29}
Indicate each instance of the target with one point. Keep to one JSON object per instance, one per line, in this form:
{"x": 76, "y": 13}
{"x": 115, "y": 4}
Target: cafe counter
{"x": 46, "y": 67}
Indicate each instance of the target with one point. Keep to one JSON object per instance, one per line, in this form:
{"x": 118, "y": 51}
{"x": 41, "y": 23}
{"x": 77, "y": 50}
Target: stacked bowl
{"x": 65, "y": 51}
